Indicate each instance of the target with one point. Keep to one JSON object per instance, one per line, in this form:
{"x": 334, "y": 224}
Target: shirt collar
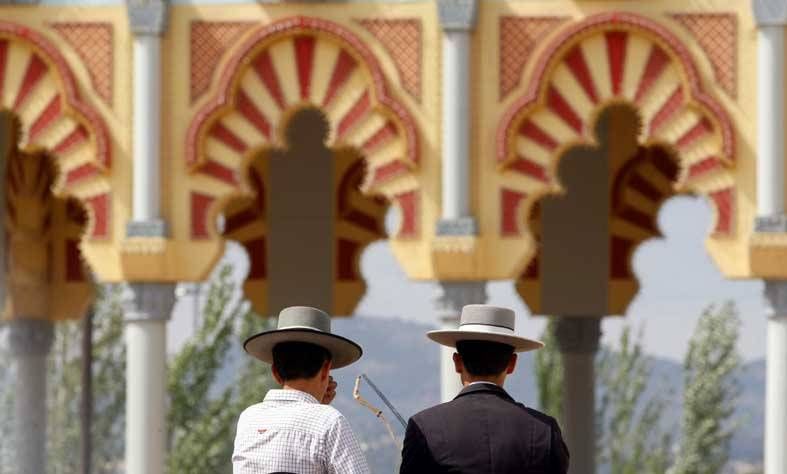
{"x": 481, "y": 381}
{"x": 289, "y": 395}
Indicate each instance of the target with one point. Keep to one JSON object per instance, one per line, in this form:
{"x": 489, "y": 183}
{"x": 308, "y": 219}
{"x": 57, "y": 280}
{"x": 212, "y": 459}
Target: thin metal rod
{"x": 377, "y": 412}
{"x": 385, "y": 400}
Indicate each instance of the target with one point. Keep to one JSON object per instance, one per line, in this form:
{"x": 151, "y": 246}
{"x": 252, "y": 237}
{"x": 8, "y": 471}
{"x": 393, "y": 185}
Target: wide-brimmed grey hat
{"x": 304, "y": 324}
{"x": 481, "y": 322}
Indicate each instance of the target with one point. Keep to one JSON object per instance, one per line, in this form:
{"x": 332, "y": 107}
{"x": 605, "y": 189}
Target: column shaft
{"x": 776, "y": 398}
{"x": 30, "y": 341}
{"x": 145, "y": 396}
{"x": 776, "y": 378}
{"x": 579, "y": 406}
{"x": 578, "y": 340}
{"x": 146, "y": 127}
{"x": 149, "y": 306}
{"x": 456, "y": 123}
{"x": 770, "y": 120}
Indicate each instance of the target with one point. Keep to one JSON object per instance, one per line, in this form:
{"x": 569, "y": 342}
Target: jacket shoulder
{"x": 542, "y": 417}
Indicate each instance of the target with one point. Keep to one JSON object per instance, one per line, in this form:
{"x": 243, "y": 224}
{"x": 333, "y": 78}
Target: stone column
{"x": 30, "y": 341}
{"x": 451, "y": 298}
{"x": 771, "y": 17}
{"x": 148, "y": 21}
{"x": 458, "y": 19}
{"x": 578, "y": 340}
{"x": 776, "y": 376}
{"x": 148, "y": 307}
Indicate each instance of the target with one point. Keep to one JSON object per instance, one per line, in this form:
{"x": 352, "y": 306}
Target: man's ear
{"x": 511, "y": 364}
{"x": 459, "y": 365}
{"x": 276, "y": 375}
{"x": 325, "y": 370}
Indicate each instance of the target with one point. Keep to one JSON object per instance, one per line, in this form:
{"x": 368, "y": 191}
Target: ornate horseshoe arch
{"x": 37, "y": 86}
{"x": 278, "y": 70}
{"x": 638, "y": 62}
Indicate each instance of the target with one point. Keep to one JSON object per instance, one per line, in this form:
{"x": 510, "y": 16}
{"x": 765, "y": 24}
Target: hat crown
{"x": 487, "y": 315}
{"x": 304, "y": 317}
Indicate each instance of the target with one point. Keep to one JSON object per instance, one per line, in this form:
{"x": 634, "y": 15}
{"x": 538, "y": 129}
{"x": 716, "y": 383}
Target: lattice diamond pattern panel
{"x": 717, "y": 35}
{"x": 93, "y": 43}
{"x": 402, "y": 39}
{"x": 209, "y": 41}
{"x": 518, "y": 37}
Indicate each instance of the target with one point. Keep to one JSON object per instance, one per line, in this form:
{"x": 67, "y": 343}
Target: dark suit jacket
{"x": 483, "y": 430}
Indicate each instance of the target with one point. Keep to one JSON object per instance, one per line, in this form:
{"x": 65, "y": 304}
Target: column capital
{"x": 30, "y": 337}
{"x": 457, "y": 15}
{"x": 462, "y": 226}
{"x": 147, "y": 17}
{"x": 148, "y": 228}
{"x": 148, "y": 301}
{"x": 580, "y": 335}
{"x": 776, "y": 299}
{"x": 452, "y": 296}
{"x": 770, "y": 224}
{"x": 770, "y": 12}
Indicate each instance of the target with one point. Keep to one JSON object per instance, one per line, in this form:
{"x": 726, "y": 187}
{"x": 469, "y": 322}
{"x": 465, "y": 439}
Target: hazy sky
{"x": 677, "y": 278}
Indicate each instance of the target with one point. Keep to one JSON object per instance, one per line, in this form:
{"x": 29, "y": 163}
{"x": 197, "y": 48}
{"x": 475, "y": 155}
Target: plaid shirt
{"x": 290, "y": 431}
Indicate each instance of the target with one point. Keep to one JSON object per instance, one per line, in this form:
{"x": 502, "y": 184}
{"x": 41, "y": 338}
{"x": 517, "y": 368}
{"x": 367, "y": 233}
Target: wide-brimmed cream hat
{"x": 304, "y": 324}
{"x": 481, "y": 322}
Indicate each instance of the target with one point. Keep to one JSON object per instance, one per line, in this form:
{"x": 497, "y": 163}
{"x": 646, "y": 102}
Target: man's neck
{"x": 498, "y": 380}
{"x": 307, "y": 386}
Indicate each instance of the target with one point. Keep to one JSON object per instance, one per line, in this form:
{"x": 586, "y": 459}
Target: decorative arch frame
{"x": 53, "y": 117}
{"x": 253, "y": 100}
{"x": 277, "y": 70}
{"x": 664, "y": 86}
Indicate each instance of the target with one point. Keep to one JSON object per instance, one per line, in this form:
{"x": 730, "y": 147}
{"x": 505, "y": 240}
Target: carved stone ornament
{"x": 578, "y": 335}
{"x": 770, "y": 12}
{"x": 776, "y": 299}
{"x": 30, "y": 337}
{"x": 463, "y": 226}
{"x": 148, "y": 301}
{"x": 457, "y": 14}
{"x": 767, "y": 224}
{"x": 147, "y": 17}
{"x": 452, "y": 296}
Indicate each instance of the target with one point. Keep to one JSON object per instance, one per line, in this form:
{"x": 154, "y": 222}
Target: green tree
{"x": 631, "y": 440}
{"x": 203, "y": 406}
{"x": 63, "y": 391}
{"x": 109, "y": 381}
{"x": 549, "y": 373}
{"x": 709, "y": 392}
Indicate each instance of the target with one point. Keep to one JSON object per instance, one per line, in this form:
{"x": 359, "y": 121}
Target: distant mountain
{"x": 404, "y": 364}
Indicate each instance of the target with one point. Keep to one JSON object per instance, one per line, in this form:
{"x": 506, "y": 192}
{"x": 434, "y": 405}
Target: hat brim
{"x": 343, "y": 351}
{"x": 451, "y": 337}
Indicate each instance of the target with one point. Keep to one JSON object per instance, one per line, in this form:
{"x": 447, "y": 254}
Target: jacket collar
{"x": 485, "y": 388}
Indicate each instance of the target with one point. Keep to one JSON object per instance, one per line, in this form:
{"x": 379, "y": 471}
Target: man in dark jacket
{"x": 483, "y": 430}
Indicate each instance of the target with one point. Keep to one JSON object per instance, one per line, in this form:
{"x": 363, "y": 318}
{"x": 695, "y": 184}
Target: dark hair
{"x": 484, "y": 357}
{"x": 299, "y": 360}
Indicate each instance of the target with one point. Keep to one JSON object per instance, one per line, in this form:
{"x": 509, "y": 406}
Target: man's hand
{"x": 330, "y": 392}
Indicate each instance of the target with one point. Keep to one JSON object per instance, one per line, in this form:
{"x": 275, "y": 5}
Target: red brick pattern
{"x": 402, "y": 39}
{"x": 717, "y": 35}
{"x": 94, "y": 44}
{"x": 209, "y": 41}
{"x": 518, "y": 38}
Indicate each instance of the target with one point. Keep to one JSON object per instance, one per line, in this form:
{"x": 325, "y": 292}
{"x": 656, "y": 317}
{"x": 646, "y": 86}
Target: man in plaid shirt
{"x": 294, "y": 430}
